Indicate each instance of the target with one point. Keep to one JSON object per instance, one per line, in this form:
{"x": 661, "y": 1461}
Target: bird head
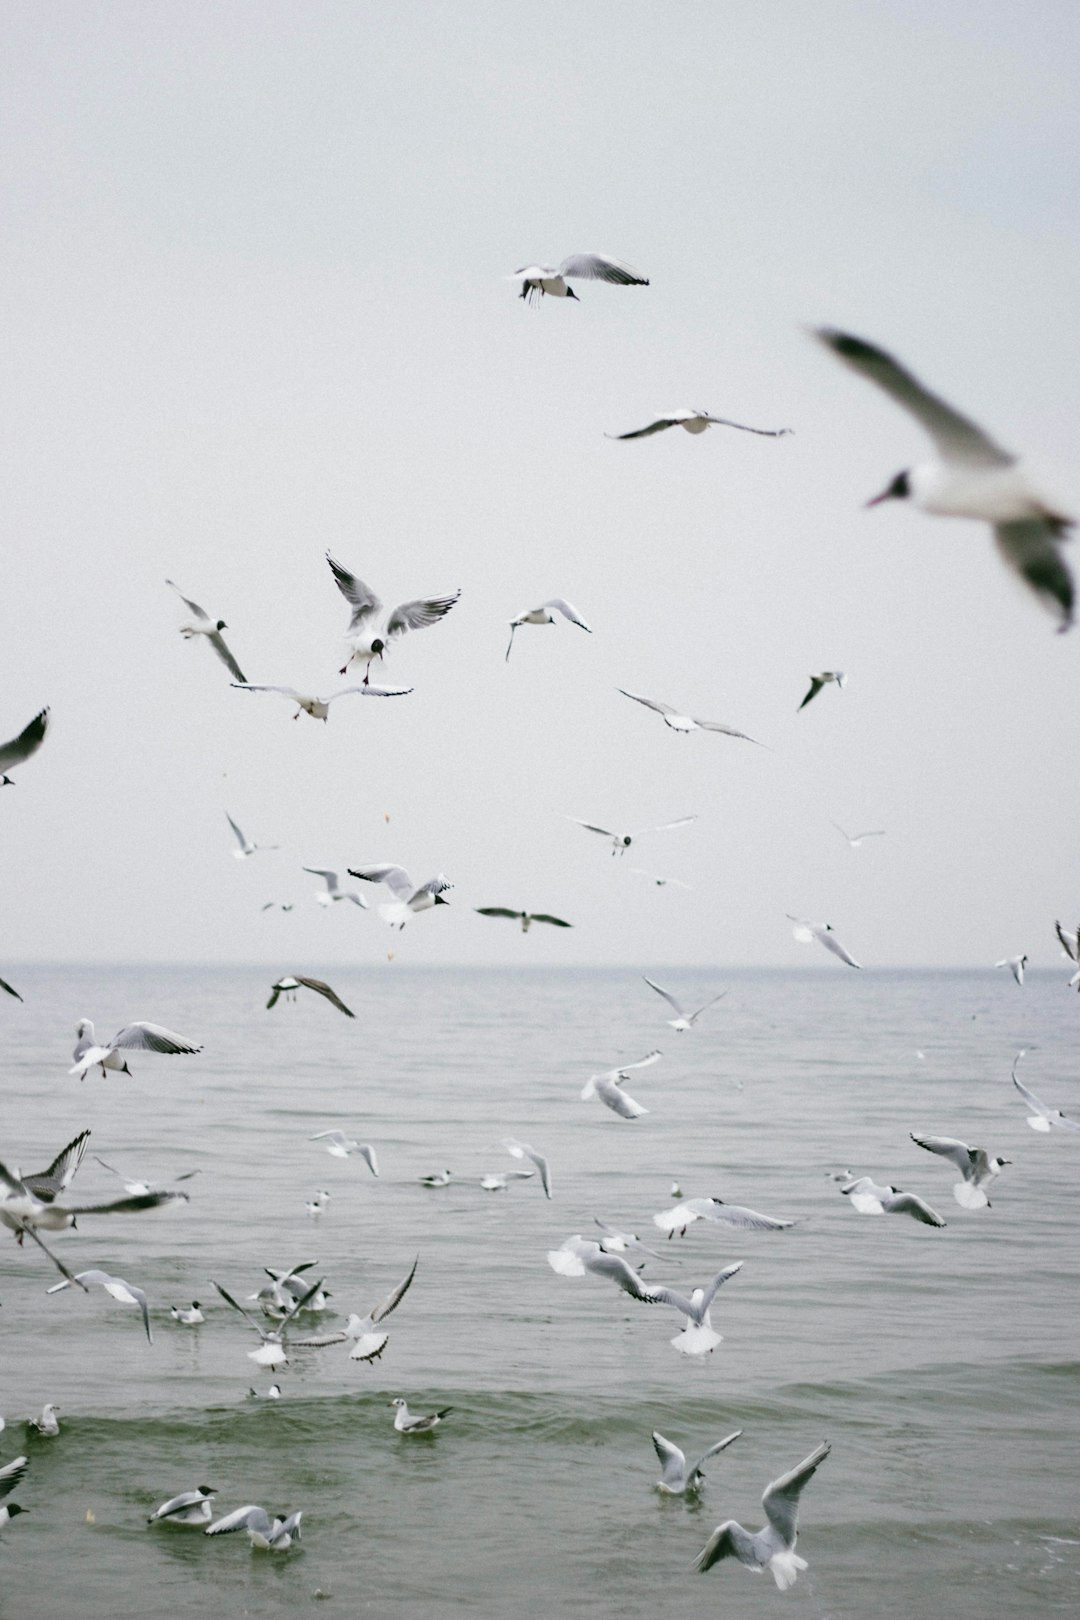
{"x": 441, "y": 900}
{"x": 626, "y": 841}
{"x": 221, "y": 625}
{"x": 377, "y": 647}
{"x": 898, "y": 490}
{"x": 13, "y": 1508}
{"x": 570, "y": 293}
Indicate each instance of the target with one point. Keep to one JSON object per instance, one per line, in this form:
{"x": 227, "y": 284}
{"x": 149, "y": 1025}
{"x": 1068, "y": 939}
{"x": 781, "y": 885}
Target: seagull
{"x": 10, "y": 1475}
{"x": 615, "y": 1242}
{"x": 1015, "y": 965}
{"x": 319, "y": 707}
{"x": 269, "y": 1535}
{"x": 807, "y": 932}
{"x": 278, "y": 905}
{"x": 137, "y": 1188}
{"x": 538, "y": 279}
{"x": 1070, "y": 944}
{"x": 684, "y": 1214}
{"x": 439, "y": 1178}
{"x": 49, "y": 1183}
{"x": 773, "y": 1546}
{"x": 544, "y": 615}
{"x": 288, "y": 987}
{"x": 408, "y": 899}
{"x": 678, "y": 1479}
{"x": 318, "y": 1202}
{"x": 1040, "y": 1117}
{"x": 972, "y": 477}
{"x": 974, "y": 1164}
{"x": 577, "y": 1255}
{"x": 682, "y": 1020}
{"x": 855, "y": 839}
{"x": 870, "y": 1199}
{"x": 819, "y": 681}
{"x": 522, "y": 1150}
{"x": 620, "y": 842}
{"x": 246, "y": 846}
{"x": 407, "y": 1422}
{"x": 341, "y": 1146}
{"x": 201, "y": 624}
{"x": 696, "y": 422}
{"x": 190, "y": 1507}
{"x": 116, "y": 1288}
{"x": 333, "y": 890}
{"x": 190, "y": 1315}
{"x": 46, "y": 1424}
{"x": 20, "y": 748}
{"x": 368, "y": 640}
{"x": 272, "y": 1351}
{"x": 525, "y": 918}
{"x": 606, "y": 1086}
{"x": 697, "y": 1337}
{"x": 137, "y": 1037}
{"x": 360, "y": 1331}
{"x": 499, "y": 1180}
{"x": 272, "y": 1394}
{"x": 685, "y": 722}
{"x": 23, "y": 1212}
{"x": 661, "y": 882}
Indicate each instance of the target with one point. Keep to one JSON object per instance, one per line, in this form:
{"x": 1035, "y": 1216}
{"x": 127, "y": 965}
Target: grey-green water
{"x": 942, "y": 1365}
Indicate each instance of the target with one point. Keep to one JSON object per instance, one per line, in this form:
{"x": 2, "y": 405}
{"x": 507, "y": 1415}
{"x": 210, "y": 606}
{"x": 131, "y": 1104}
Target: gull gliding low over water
{"x": 870, "y": 1199}
{"x": 972, "y": 477}
{"x": 288, "y": 987}
{"x": 974, "y": 1164}
{"x": 676, "y": 1220}
{"x": 538, "y": 279}
{"x": 20, "y": 748}
{"x": 271, "y": 1351}
{"x": 544, "y": 615}
{"x": 607, "y": 1086}
{"x": 341, "y": 1146}
{"x": 772, "y": 1547}
{"x": 1015, "y": 965}
{"x": 684, "y": 722}
{"x": 361, "y": 1332}
{"x": 116, "y": 1287}
{"x": 807, "y": 932}
{"x": 137, "y": 1037}
{"x": 522, "y": 1150}
{"x": 683, "y": 1020}
{"x": 680, "y": 1478}
{"x": 1041, "y": 1117}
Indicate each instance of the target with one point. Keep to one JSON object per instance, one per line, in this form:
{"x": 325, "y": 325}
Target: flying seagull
{"x": 696, "y": 422}
{"x": 20, "y": 748}
{"x": 1015, "y": 965}
{"x": 319, "y": 707}
{"x": 1040, "y": 1116}
{"x": 288, "y": 987}
{"x": 544, "y": 615}
{"x": 137, "y": 1037}
{"x": 246, "y": 846}
{"x": 201, "y": 624}
{"x": 361, "y": 1332}
{"x": 10, "y": 1475}
{"x": 683, "y": 1020}
{"x": 620, "y": 842}
{"x": 1070, "y": 944}
{"x": 367, "y": 638}
{"x": 23, "y": 1212}
{"x": 525, "y": 918}
{"x": 684, "y": 1214}
{"x": 615, "y": 1241}
{"x": 116, "y": 1288}
{"x": 975, "y": 1165}
{"x": 773, "y": 1546}
{"x": 855, "y": 839}
{"x": 408, "y": 898}
{"x": 971, "y": 477}
{"x": 136, "y": 1186}
{"x": 49, "y": 1183}
{"x": 806, "y": 932}
{"x": 272, "y": 1351}
{"x": 697, "y": 1337}
{"x": 684, "y": 722}
{"x": 818, "y": 682}
{"x": 870, "y": 1199}
{"x": 522, "y": 1150}
{"x": 538, "y": 279}
{"x": 341, "y": 1146}
{"x": 577, "y": 1255}
{"x": 678, "y": 1477}
{"x": 607, "y": 1087}
{"x": 333, "y": 891}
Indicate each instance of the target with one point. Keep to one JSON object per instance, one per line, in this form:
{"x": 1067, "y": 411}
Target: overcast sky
{"x": 255, "y": 258}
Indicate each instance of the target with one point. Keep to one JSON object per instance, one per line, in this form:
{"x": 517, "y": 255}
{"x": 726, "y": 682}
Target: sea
{"x": 943, "y": 1366}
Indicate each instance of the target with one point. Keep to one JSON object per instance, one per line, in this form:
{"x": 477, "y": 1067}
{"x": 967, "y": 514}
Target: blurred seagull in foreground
{"x": 972, "y": 477}
{"x": 319, "y": 707}
{"x": 525, "y": 918}
{"x": 361, "y": 1332}
{"x": 675, "y": 1221}
{"x": 696, "y": 422}
{"x": 682, "y": 1020}
{"x": 1015, "y": 965}
{"x": 538, "y": 279}
{"x": 684, "y": 722}
{"x": 288, "y": 987}
{"x": 10, "y": 1475}
{"x": 1040, "y": 1116}
{"x": 20, "y": 748}
{"x": 246, "y": 846}
{"x": 818, "y": 682}
{"x": 544, "y": 615}
{"x": 333, "y": 890}
{"x": 201, "y": 624}
{"x": 522, "y": 1150}
{"x": 680, "y": 1478}
{"x": 772, "y": 1547}
{"x": 870, "y": 1199}
{"x": 367, "y": 640}
{"x": 620, "y": 842}
{"x": 268, "y": 1535}
{"x": 126, "y": 1293}
{"x": 407, "y": 1422}
{"x": 607, "y": 1086}
{"x": 1070, "y": 944}
{"x": 190, "y": 1507}
{"x": 408, "y": 899}
{"x": 974, "y": 1164}
{"x": 57, "y": 1177}
{"x": 137, "y": 1037}
{"x": 341, "y": 1146}
{"x": 806, "y": 932}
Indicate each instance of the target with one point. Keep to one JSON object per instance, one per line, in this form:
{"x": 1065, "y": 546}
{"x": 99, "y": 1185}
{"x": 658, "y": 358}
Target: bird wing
{"x": 642, "y": 1063}
{"x": 672, "y": 1460}
{"x": 28, "y": 741}
{"x": 764, "y": 433}
{"x": 251, "y": 1517}
{"x": 645, "y": 432}
{"x": 435, "y": 885}
{"x": 827, "y": 938}
{"x": 695, "y": 1016}
{"x": 240, "y": 839}
{"x": 1031, "y": 546}
{"x": 498, "y": 911}
{"x": 595, "y": 267}
{"x": 957, "y": 438}
{"x": 591, "y": 826}
{"x": 318, "y": 1341}
{"x": 721, "y": 1445}
{"x": 418, "y": 615}
{"x": 815, "y": 688}
{"x": 286, "y": 691}
{"x": 360, "y": 597}
{"x": 323, "y": 872}
{"x": 616, "y": 1269}
{"x": 274, "y": 994}
{"x": 370, "y": 691}
{"x": 151, "y": 1038}
{"x": 568, "y": 611}
{"x": 650, "y": 703}
{"x": 324, "y": 990}
{"x": 217, "y": 641}
{"x": 10, "y": 988}
{"x": 728, "y": 731}
{"x": 299, "y": 1303}
{"x": 781, "y": 1498}
{"x": 11, "y": 1473}
{"x": 126, "y": 1206}
{"x": 902, "y": 1203}
{"x": 545, "y": 917}
{"x": 396, "y": 878}
{"x": 200, "y": 613}
{"x": 728, "y": 1540}
{"x": 676, "y": 1006}
{"x": 1070, "y": 943}
{"x": 522, "y": 1150}
{"x": 665, "y": 826}
{"x": 395, "y": 1296}
{"x": 620, "y": 1102}
{"x": 748, "y": 1219}
{"x": 950, "y": 1148}
{"x": 47, "y": 1183}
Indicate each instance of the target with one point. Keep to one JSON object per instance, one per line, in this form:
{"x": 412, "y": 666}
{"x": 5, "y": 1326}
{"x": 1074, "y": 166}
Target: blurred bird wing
{"x": 395, "y": 1296}
{"x": 596, "y": 267}
{"x": 193, "y": 607}
{"x": 217, "y": 641}
{"x": 151, "y": 1038}
{"x": 568, "y": 611}
{"x": 360, "y": 597}
{"x": 28, "y": 741}
{"x": 323, "y": 989}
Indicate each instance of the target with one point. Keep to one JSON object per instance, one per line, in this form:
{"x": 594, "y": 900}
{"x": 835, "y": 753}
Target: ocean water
{"x": 943, "y": 1366}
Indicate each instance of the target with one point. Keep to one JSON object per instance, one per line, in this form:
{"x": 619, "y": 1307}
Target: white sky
{"x": 255, "y": 256}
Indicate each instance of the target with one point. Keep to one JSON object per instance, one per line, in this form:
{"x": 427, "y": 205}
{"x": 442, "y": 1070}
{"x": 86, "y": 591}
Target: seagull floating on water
{"x": 818, "y": 682}
{"x": 201, "y": 624}
{"x": 46, "y": 1425}
{"x": 972, "y": 477}
{"x": 288, "y": 987}
{"x": 680, "y": 1478}
{"x": 407, "y": 1422}
{"x": 682, "y": 1020}
{"x": 20, "y": 748}
{"x": 268, "y": 1535}
{"x": 684, "y": 722}
{"x": 607, "y": 1086}
{"x": 1040, "y": 1116}
{"x": 190, "y": 1508}
{"x": 773, "y": 1546}
{"x": 538, "y": 279}
{"x": 974, "y": 1164}
{"x": 544, "y": 615}
{"x": 189, "y": 1315}
{"x": 367, "y": 639}
{"x": 438, "y": 1178}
